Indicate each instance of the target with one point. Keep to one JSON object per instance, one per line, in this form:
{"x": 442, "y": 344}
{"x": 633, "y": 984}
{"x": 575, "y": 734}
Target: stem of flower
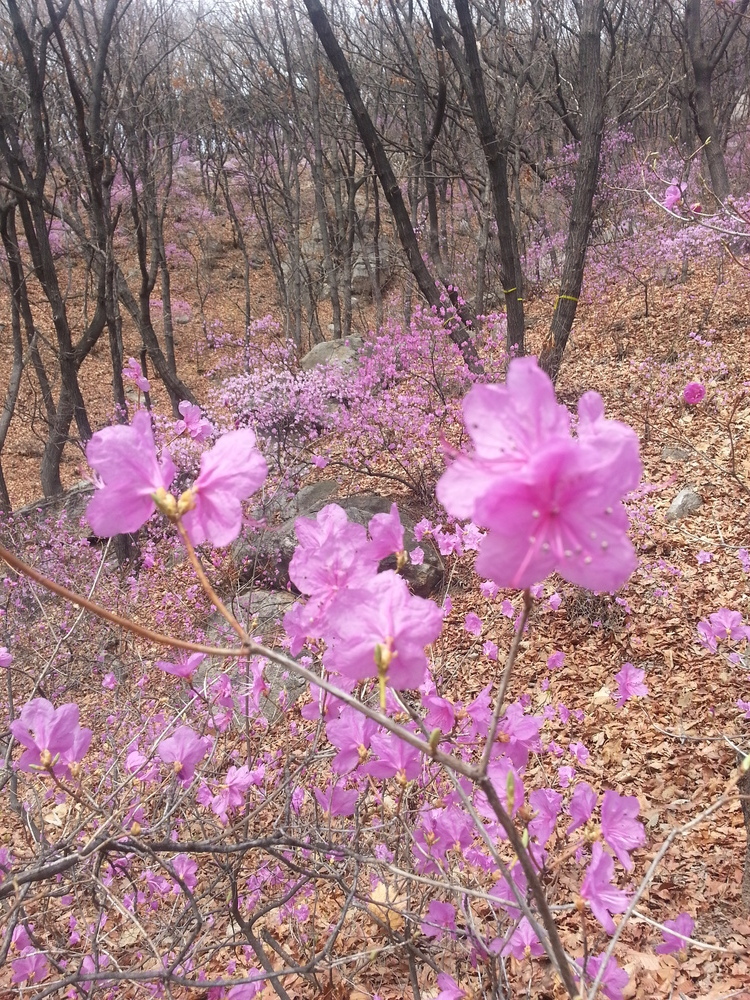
{"x": 528, "y": 604}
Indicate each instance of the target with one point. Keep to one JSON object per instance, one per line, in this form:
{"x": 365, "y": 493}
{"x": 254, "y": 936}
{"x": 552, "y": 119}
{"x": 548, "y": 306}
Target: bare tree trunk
{"x": 496, "y": 156}
{"x": 591, "y": 102}
{"x": 426, "y": 282}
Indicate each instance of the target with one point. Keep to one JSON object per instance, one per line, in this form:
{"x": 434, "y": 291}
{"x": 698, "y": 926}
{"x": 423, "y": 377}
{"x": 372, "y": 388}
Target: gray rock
{"x": 671, "y": 454}
{"x": 685, "y": 503}
{"x": 333, "y": 352}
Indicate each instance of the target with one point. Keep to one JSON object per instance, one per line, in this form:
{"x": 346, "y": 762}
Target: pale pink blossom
{"x": 384, "y": 620}
{"x": 230, "y": 472}
{"x": 193, "y": 422}
{"x": 551, "y": 502}
{"x": 124, "y": 458}
{"x": 694, "y": 393}
{"x": 184, "y": 749}
{"x": 52, "y": 736}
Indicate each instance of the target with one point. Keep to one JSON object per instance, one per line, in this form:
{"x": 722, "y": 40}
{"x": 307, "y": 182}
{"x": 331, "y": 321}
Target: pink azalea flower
{"x": 565, "y": 775}
{"x": 613, "y": 981}
{"x": 109, "y": 681}
{"x": 684, "y": 925}
{"x": 449, "y": 988}
{"x": 704, "y": 557}
{"x": 383, "y": 619}
{"x": 184, "y": 749}
{"x": 621, "y": 830}
{"x": 50, "y": 734}
{"x": 630, "y": 684}
{"x": 551, "y": 502}
{"x": 396, "y": 759}
{"x": 727, "y": 624}
{"x": 245, "y": 991}
{"x": 440, "y": 917}
{"x": 555, "y": 601}
{"x": 473, "y": 624}
{"x": 417, "y": 556}
{"x": 134, "y": 373}
{"x": 556, "y": 660}
{"x": 231, "y": 471}
{"x": 579, "y": 751}
{"x": 694, "y": 393}
{"x": 597, "y": 889}
{"x": 5, "y": 657}
{"x": 30, "y": 968}
{"x": 184, "y": 667}
{"x": 233, "y": 791}
{"x": 440, "y": 713}
{"x": 504, "y": 896}
{"x": 522, "y": 942}
{"x": 193, "y": 422}
{"x": 744, "y": 706}
{"x": 581, "y": 806}
{"x": 489, "y": 649}
{"x": 125, "y": 460}
{"x": 520, "y": 734}
{"x": 386, "y": 534}
{"x": 351, "y": 734}
{"x": 337, "y": 801}
{"x": 546, "y": 803}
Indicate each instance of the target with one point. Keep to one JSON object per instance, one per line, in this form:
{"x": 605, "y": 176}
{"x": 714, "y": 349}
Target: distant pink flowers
{"x": 134, "y": 481}
{"x": 552, "y": 502}
{"x": 694, "y": 393}
{"x": 134, "y": 373}
{"x": 52, "y": 736}
{"x": 193, "y": 422}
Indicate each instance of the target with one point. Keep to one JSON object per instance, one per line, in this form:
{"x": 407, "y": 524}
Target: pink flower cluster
{"x": 372, "y": 625}
{"x": 551, "y": 502}
{"x": 133, "y": 481}
{"x": 694, "y": 393}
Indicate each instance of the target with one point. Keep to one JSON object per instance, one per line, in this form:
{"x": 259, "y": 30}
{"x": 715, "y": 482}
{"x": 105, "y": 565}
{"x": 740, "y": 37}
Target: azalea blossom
{"x": 621, "y": 830}
{"x": 381, "y": 630}
{"x": 184, "y": 667}
{"x": 440, "y": 917}
{"x": 134, "y": 373}
{"x": 52, "y": 736}
{"x": 351, "y": 734}
{"x": 673, "y": 195}
{"x": 523, "y": 942}
{"x": 193, "y": 422}
{"x": 614, "y": 979}
{"x": 336, "y": 800}
{"x": 694, "y": 393}
{"x": 230, "y": 472}
{"x": 581, "y": 806}
{"x": 6, "y": 658}
{"x": 551, "y": 502}
{"x": 597, "y": 889}
{"x": 124, "y": 458}
{"x": 683, "y": 925}
{"x": 134, "y": 483}
{"x": 630, "y": 684}
{"x": 184, "y": 749}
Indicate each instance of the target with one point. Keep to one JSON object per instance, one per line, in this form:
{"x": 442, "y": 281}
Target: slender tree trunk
{"x": 426, "y": 282}
{"x": 591, "y": 103}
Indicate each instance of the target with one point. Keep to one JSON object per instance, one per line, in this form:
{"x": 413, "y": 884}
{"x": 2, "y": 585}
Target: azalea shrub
{"x": 201, "y": 833}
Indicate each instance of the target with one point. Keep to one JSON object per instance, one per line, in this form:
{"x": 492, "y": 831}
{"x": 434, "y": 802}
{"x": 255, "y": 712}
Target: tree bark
{"x": 425, "y": 281}
{"x": 591, "y": 102}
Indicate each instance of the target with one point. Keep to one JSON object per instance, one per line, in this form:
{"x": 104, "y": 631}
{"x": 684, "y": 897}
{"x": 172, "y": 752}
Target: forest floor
{"x": 676, "y": 749}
